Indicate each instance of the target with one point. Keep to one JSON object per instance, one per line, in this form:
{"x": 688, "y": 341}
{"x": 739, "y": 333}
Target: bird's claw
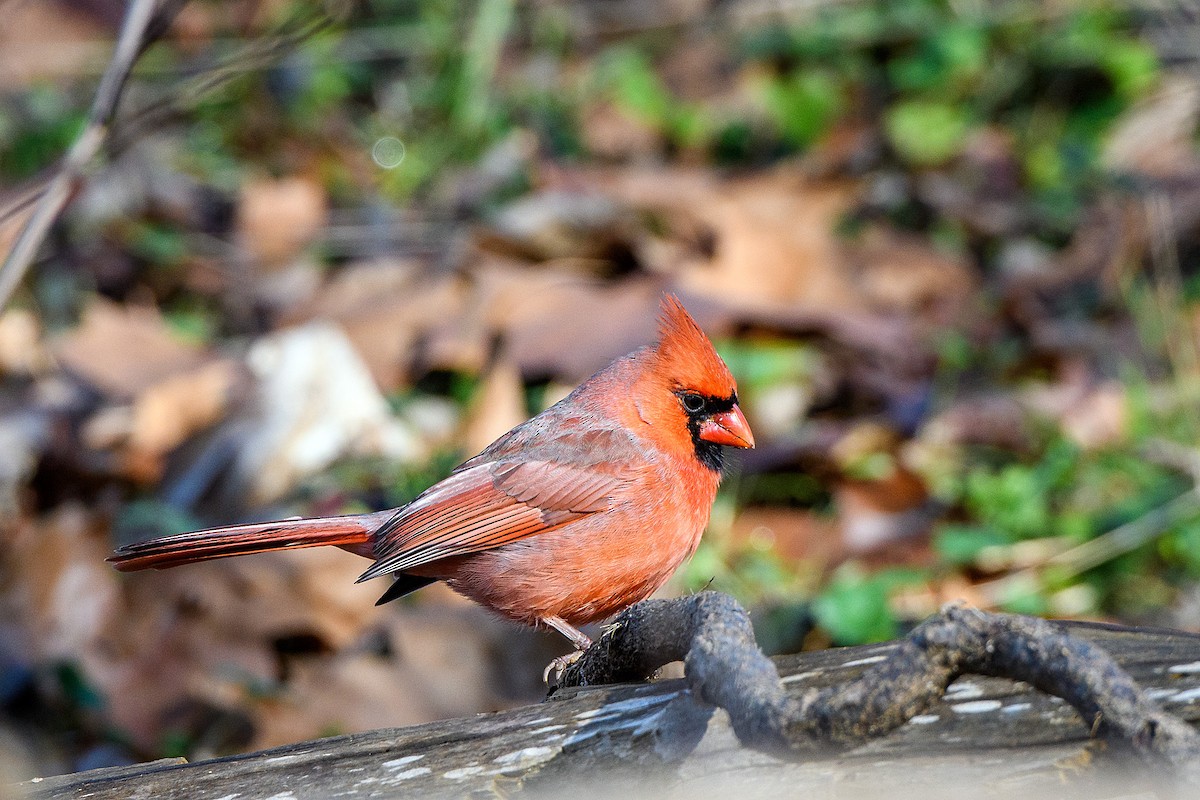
{"x": 558, "y": 666}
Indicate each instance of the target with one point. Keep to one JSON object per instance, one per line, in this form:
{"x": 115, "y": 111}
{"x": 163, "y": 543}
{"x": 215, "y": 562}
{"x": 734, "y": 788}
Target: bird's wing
{"x": 494, "y": 503}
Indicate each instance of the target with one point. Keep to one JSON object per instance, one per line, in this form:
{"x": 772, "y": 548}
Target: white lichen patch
{"x": 976, "y": 706}
{"x": 526, "y": 758}
{"x": 400, "y": 762}
{"x": 281, "y": 796}
{"x": 963, "y": 690}
{"x": 868, "y": 660}
{"x": 1187, "y": 696}
{"x": 924, "y": 719}
{"x": 800, "y": 676}
{"x": 591, "y": 713}
{"x": 415, "y": 772}
{"x": 1017, "y": 708}
{"x": 540, "y": 721}
{"x": 611, "y": 724}
{"x": 1185, "y": 669}
{"x": 462, "y": 772}
{"x": 625, "y": 706}
{"x": 546, "y": 729}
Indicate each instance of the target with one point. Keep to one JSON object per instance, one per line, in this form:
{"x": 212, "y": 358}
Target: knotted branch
{"x": 711, "y": 633}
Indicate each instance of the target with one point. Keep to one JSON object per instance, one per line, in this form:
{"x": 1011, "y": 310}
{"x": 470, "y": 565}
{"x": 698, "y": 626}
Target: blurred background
{"x": 950, "y": 249}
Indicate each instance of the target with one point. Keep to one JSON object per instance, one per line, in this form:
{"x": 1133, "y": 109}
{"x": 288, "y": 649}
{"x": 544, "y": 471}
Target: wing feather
{"x": 490, "y": 504}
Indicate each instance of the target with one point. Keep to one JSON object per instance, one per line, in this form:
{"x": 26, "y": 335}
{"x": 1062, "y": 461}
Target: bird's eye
{"x": 692, "y": 402}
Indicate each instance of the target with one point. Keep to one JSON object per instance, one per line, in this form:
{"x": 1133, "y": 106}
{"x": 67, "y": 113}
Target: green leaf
{"x": 854, "y": 609}
{"x": 961, "y": 544}
{"x": 637, "y": 88}
{"x": 803, "y": 105}
{"x": 927, "y": 133}
{"x": 1133, "y": 67}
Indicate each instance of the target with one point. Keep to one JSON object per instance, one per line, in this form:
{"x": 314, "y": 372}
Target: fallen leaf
{"x": 22, "y": 348}
{"x": 167, "y": 413}
{"x": 1155, "y": 137}
{"x": 898, "y": 273}
{"x": 497, "y": 407}
{"x": 609, "y": 133}
{"x": 315, "y": 401}
{"x": 386, "y": 309}
{"x": 124, "y": 350}
{"x": 278, "y": 218}
{"x": 47, "y": 40}
{"x": 587, "y": 227}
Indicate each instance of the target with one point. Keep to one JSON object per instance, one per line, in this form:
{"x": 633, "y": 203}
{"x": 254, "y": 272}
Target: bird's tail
{"x": 351, "y": 532}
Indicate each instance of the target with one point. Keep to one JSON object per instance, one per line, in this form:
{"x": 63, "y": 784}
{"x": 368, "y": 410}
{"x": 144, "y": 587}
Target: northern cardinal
{"x": 566, "y": 519}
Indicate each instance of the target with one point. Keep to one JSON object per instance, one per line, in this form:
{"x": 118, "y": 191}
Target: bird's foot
{"x": 558, "y": 666}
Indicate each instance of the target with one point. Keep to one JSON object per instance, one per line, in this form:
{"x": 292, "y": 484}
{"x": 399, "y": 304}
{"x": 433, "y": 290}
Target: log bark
{"x": 986, "y": 737}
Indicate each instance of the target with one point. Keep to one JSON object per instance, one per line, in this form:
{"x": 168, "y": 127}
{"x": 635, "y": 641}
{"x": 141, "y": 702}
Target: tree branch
{"x": 711, "y": 633}
{"x": 144, "y": 21}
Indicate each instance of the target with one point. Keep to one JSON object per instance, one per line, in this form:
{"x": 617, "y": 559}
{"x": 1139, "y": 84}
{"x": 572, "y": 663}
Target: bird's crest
{"x": 687, "y": 356}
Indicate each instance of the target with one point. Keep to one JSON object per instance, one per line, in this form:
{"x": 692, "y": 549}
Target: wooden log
{"x": 988, "y": 737}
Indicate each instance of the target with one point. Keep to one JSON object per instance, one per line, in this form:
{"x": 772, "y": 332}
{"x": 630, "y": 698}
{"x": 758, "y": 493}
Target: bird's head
{"x": 695, "y": 391}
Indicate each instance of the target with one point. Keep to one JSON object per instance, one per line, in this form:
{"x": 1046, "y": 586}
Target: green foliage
{"x": 155, "y": 242}
{"x": 37, "y": 132}
{"x": 935, "y": 73}
{"x": 633, "y": 84}
{"x": 76, "y": 689}
{"x": 762, "y": 364}
{"x": 853, "y": 608}
{"x": 1070, "y": 496}
{"x": 926, "y": 133}
{"x": 803, "y": 105}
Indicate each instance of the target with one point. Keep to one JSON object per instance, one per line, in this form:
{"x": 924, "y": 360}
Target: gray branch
{"x": 145, "y": 20}
{"x": 835, "y": 715}
{"x": 711, "y": 633}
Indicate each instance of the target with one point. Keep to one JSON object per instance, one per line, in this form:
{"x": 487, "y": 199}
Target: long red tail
{"x": 352, "y": 532}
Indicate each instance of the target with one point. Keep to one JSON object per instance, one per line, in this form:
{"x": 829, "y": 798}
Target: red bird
{"x": 566, "y": 519}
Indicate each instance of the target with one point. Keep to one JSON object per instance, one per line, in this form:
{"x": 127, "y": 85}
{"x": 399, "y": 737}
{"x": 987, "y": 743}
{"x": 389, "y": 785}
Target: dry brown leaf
{"x": 553, "y": 325}
{"x": 1100, "y": 419}
{"x": 44, "y": 39}
{"x": 498, "y": 406}
{"x": 1093, "y": 415}
{"x": 919, "y": 602}
{"x": 776, "y": 245}
{"x": 277, "y": 219}
{"x": 877, "y": 513}
{"x": 1155, "y": 137}
{"x": 22, "y": 349}
{"x": 795, "y": 534}
{"x": 904, "y": 274}
{"x": 346, "y": 694}
{"x": 207, "y": 632}
{"x": 170, "y": 411}
{"x": 610, "y": 133}
{"x": 385, "y": 309}
{"x": 56, "y": 593}
{"x": 124, "y": 350}
{"x": 574, "y": 226}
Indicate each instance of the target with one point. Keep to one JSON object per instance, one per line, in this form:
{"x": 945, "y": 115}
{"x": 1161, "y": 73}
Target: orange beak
{"x": 728, "y": 428}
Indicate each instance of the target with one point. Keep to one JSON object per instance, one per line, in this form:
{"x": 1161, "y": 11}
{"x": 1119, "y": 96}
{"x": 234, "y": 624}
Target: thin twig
{"x": 256, "y": 54}
{"x": 144, "y": 19}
